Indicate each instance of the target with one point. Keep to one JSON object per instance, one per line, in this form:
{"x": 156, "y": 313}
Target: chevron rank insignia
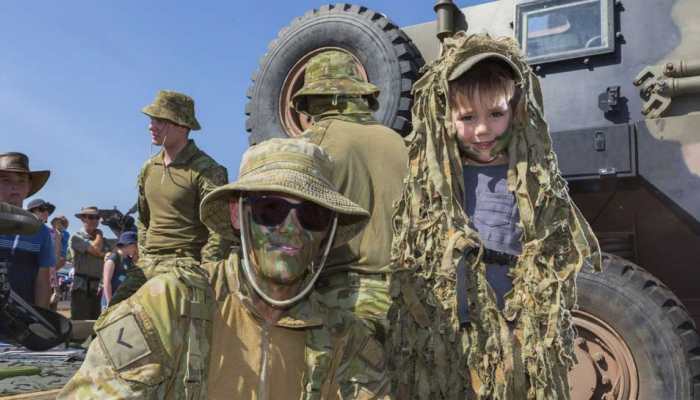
{"x": 123, "y": 341}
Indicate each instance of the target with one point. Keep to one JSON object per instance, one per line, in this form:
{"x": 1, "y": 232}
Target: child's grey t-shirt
{"x": 494, "y": 214}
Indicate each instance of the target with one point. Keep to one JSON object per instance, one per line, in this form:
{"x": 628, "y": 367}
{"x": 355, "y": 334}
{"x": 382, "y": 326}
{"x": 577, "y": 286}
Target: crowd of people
{"x": 94, "y": 268}
{"x": 348, "y": 263}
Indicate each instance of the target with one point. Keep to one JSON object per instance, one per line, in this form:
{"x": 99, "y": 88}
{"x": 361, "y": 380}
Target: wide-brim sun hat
{"x": 175, "y": 107}
{"x": 333, "y": 73}
{"x": 292, "y": 167}
{"x": 337, "y": 86}
{"x": 19, "y": 163}
{"x": 89, "y": 210}
{"x": 36, "y": 203}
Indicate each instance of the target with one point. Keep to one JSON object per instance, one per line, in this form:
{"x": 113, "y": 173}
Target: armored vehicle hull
{"x": 620, "y": 82}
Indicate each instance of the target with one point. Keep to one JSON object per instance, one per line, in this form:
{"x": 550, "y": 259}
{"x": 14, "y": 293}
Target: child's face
{"x": 480, "y": 122}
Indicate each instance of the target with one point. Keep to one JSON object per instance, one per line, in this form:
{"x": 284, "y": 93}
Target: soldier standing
{"x": 88, "y": 247}
{"x": 171, "y": 185}
{"x": 371, "y": 163}
{"x": 252, "y": 328}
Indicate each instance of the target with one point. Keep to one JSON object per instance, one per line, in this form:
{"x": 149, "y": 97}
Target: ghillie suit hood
{"x": 432, "y": 357}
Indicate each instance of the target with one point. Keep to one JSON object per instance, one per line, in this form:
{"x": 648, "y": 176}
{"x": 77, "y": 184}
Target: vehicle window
{"x": 561, "y": 29}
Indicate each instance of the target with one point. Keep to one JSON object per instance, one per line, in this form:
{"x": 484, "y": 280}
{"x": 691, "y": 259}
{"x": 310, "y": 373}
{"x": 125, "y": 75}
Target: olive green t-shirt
{"x": 84, "y": 262}
{"x": 371, "y": 163}
{"x": 169, "y": 198}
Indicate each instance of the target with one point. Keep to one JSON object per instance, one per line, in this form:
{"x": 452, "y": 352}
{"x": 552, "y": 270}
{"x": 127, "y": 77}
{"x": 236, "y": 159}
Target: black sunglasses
{"x": 272, "y": 211}
{"x": 91, "y": 216}
{"x": 42, "y": 209}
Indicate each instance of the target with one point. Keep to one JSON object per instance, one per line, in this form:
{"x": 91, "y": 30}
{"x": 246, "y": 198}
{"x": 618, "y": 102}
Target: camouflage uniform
{"x": 371, "y": 163}
{"x": 194, "y": 332}
{"x": 169, "y": 196}
{"x": 168, "y": 200}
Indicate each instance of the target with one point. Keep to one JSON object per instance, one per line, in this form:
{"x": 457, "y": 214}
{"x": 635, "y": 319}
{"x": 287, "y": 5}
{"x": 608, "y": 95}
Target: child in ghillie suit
{"x": 487, "y": 241}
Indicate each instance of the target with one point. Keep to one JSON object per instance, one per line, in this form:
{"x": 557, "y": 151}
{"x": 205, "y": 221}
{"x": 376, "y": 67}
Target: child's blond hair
{"x": 489, "y": 79}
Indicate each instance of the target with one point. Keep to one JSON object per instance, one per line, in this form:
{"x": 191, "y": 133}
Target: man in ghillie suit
{"x": 250, "y": 327}
{"x": 341, "y": 104}
{"x": 450, "y": 337}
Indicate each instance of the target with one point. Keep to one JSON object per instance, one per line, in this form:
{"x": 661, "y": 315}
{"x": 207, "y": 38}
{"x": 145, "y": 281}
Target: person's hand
{"x": 98, "y": 232}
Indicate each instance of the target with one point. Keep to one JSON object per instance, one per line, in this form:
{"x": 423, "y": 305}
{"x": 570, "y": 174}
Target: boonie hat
{"x": 19, "y": 162}
{"x": 294, "y": 167}
{"x": 333, "y": 72}
{"x": 89, "y": 210}
{"x": 175, "y": 107}
{"x": 36, "y": 203}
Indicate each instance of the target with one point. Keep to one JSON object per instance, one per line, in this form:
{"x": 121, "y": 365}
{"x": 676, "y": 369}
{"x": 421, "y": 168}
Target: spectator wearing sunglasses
{"x": 89, "y": 248}
{"x": 251, "y": 326}
{"x": 41, "y": 209}
{"x": 30, "y": 256}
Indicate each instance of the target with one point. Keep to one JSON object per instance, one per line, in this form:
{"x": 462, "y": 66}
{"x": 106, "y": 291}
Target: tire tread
{"x": 409, "y": 58}
{"x": 670, "y": 304}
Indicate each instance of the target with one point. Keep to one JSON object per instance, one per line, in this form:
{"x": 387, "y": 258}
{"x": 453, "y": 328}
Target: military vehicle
{"x": 621, "y": 82}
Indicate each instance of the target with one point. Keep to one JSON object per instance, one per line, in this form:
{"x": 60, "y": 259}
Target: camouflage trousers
{"x": 146, "y": 268}
{"x": 365, "y": 295}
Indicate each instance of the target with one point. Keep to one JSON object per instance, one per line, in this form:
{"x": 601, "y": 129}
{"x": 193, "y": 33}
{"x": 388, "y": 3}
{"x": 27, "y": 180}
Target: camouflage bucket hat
{"x": 294, "y": 167}
{"x": 174, "y": 107}
{"x": 470, "y": 62}
{"x": 333, "y": 72}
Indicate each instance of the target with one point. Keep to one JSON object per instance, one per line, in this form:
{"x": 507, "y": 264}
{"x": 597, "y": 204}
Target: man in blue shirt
{"x": 30, "y": 256}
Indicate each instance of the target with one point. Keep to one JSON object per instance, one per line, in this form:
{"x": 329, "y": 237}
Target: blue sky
{"x": 75, "y": 74}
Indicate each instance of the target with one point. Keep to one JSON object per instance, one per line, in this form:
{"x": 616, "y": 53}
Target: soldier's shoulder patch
{"x": 123, "y": 341}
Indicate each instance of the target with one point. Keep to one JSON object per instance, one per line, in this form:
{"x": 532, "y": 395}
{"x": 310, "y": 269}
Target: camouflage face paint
{"x": 283, "y": 254}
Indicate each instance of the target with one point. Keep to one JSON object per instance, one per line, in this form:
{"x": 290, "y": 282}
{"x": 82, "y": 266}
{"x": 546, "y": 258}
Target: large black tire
{"x": 652, "y": 322}
{"x": 388, "y": 56}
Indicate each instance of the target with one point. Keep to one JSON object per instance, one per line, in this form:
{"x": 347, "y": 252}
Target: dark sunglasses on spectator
{"x": 42, "y": 209}
{"x": 272, "y": 211}
{"x": 91, "y": 217}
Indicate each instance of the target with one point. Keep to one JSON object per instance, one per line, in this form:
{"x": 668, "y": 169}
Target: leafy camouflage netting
{"x": 432, "y": 357}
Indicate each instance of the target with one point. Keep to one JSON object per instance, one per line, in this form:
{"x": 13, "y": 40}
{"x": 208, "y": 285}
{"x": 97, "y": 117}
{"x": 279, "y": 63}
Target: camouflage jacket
{"x": 364, "y": 173}
{"x": 168, "y": 205}
{"x": 184, "y": 336}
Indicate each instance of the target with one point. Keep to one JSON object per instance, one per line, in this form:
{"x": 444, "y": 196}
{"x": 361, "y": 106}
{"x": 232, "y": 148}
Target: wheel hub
{"x": 605, "y": 369}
